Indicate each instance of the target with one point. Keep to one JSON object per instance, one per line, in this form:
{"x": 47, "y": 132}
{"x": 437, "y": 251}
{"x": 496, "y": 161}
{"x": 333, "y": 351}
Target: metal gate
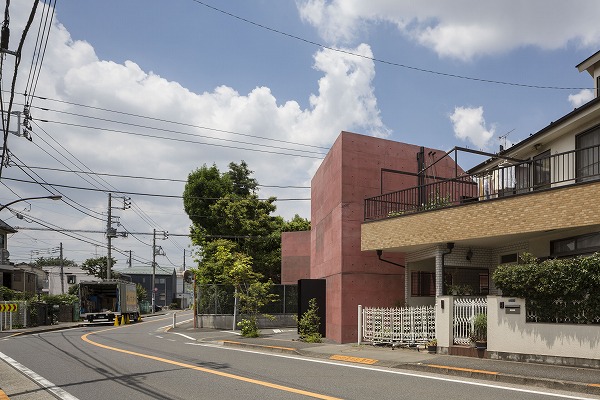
{"x": 465, "y": 310}
{"x": 404, "y": 326}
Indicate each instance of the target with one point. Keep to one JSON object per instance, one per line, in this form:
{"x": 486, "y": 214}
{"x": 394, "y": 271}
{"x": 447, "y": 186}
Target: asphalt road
{"x": 142, "y": 361}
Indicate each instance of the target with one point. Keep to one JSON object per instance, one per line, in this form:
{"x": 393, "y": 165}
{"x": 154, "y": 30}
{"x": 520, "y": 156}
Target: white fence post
{"x": 360, "y": 331}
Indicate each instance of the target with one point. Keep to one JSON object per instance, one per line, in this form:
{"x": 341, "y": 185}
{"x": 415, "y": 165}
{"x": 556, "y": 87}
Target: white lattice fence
{"x": 465, "y": 310}
{"x": 406, "y": 325}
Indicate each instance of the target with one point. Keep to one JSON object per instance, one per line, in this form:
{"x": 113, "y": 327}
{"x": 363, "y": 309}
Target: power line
{"x": 395, "y": 64}
{"x": 148, "y": 177}
{"x": 184, "y": 140}
{"x": 178, "y": 122}
{"x": 177, "y": 132}
{"x": 148, "y": 194}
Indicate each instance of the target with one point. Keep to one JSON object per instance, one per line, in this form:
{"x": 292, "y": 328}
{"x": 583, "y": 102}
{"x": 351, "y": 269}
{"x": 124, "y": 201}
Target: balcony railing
{"x": 507, "y": 179}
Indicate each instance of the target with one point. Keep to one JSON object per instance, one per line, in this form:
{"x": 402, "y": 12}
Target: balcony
{"x": 502, "y": 180}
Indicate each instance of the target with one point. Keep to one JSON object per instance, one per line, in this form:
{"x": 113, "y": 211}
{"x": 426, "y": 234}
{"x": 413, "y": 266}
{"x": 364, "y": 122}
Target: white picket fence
{"x": 396, "y": 326}
{"x": 465, "y": 310}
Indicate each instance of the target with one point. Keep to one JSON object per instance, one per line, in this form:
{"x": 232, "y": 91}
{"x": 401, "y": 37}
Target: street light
{"x": 53, "y": 197}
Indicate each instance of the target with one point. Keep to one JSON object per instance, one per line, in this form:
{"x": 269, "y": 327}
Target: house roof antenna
{"x": 503, "y": 138}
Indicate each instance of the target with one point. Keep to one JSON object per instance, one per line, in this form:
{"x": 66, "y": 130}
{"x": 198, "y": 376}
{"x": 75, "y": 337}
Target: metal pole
{"x": 153, "y": 268}
{"x": 62, "y": 271}
{"x": 235, "y": 307}
{"x": 108, "y": 237}
{"x": 195, "y": 308}
{"x": 359, "y": 324}
{"x": 174, "y": 319}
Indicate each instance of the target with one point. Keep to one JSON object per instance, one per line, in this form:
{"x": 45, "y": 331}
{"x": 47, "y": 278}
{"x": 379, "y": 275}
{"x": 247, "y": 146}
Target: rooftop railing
{"x": 509, "y": 178}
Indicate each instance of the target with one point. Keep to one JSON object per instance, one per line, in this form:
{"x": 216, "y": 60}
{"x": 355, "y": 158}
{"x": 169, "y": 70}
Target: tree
{"x": 236, "y": 270}
{"x": 97, "y": 267}
{"x": 226, "y": 205}
{"x": 53, "y": 261}
{"x": 296, "y": 224}
{"x": 140, "y": 292}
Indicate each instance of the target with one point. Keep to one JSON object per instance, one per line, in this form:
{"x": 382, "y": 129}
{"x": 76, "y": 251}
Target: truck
{"x": 108, "y": 299}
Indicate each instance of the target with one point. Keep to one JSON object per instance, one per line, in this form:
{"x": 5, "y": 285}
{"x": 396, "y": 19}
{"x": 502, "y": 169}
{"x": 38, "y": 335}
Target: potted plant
{"x": 432, "y": 346}
{"x": 479, "y": 334}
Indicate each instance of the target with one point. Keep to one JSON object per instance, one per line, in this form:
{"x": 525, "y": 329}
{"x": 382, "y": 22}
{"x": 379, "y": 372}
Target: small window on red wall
{"x": 422, "y": 283}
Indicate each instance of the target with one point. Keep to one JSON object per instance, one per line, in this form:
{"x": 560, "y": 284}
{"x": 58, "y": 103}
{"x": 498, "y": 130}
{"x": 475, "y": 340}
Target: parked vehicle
{"x": 108, "y": 299}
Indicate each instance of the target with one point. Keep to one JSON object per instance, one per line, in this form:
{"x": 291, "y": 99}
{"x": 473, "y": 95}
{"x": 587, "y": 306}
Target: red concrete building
{"x": 356, "y": 167}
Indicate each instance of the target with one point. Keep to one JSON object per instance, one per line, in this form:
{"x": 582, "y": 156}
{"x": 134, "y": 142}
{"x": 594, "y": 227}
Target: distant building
{"x": 165, "y": 282}
{"x": 6, "y": 268}
{"x": 71, "y": 275}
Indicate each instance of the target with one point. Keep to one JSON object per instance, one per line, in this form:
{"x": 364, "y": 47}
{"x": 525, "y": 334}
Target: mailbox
{"x": 512, "y": 309}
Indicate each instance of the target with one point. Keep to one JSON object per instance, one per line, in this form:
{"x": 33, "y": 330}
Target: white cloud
{"x": 470, "y": 125}
{"x": 462, "y": 29}
{"x": 581, "y": 98}
{"x": 74, "y": 74}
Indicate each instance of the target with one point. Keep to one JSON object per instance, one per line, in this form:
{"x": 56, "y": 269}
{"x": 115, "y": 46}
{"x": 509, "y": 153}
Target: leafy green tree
{"x": 53, "y": 261}
{"x": 226, "y": 205}
{"x": 234, "y": 268}
{"x": 140, "y": 292}
{"x": 296, "y": 224}
{"x": 97, "y": 267}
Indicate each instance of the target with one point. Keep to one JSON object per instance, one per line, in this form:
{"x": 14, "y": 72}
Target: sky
{"x": 129, "y": 97}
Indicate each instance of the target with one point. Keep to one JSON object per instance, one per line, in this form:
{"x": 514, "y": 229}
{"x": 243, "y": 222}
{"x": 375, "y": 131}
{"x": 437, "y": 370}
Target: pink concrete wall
{"x": 350, "y": 172}
{"x": 295, "y": 257}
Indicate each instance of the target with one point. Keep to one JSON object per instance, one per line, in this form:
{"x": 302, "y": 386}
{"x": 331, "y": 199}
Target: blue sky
{"x": 186, "y": 62}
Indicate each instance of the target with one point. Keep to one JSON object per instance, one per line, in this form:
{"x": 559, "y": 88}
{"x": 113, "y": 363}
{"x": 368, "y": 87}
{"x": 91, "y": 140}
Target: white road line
{"x": 43, "y": 382}
{"x": 232, "y": 332}
{"x": 181, "y": 334}
{"x": 395, "y": 372}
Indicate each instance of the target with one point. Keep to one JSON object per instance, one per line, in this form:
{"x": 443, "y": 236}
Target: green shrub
{"x": 479, "y": 333}
{"x": 309, "y": 323}
{"x": 249, "y": 327}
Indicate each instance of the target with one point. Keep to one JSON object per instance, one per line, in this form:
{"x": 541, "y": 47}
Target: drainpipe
{"x": 450, "y": 246}
{"x": 380, "y": 252}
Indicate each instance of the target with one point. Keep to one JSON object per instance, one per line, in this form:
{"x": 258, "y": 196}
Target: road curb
{"x": 274, "y": 349}
{"x": 504, "y": 378}
{"x": 578, "y": 387}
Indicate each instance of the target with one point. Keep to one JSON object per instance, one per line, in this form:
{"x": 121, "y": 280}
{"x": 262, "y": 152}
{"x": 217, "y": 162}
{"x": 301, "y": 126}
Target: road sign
{"x": 8, "y": 307}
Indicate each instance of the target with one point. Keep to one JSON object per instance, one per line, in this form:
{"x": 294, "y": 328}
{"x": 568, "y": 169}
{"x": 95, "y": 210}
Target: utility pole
{"x": 112, "y": 232}
{"x": 109, "y": 236}
{"x": 62, "y": 271}
{"x": 130, "y": 259}
{"x": 183, "y": 260}
{"x": 156, "y": 252}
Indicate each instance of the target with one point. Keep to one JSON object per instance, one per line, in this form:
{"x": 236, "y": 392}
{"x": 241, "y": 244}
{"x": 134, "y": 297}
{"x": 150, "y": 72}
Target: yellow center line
{"x": 206, "y": 370}
{"x": 3, "y": 395}
{"x": 594, "y": 384}
{"x": 463, "y": 369}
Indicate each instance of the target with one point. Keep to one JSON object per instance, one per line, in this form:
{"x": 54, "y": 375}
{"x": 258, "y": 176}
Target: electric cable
{"x": 381, "y": 61}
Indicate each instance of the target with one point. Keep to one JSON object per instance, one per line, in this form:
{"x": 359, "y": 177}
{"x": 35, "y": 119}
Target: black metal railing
{"x": 507, "y": 179}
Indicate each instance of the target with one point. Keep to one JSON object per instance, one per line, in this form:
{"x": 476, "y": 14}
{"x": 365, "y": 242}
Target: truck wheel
{"x": 110, "y": 318}
{"x": 90, "y": 319}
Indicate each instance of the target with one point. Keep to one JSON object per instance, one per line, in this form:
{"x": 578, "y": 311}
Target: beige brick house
{"x": 539, "y": 196}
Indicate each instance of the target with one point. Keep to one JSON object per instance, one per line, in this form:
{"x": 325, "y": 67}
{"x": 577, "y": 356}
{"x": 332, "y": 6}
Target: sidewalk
{"x": 582, "y": 380}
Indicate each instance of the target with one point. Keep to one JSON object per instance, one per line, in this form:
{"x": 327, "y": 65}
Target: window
{"x": 422, "y": 283}
{"x": 509, "y": 258}
{"x": 71, "y": 279}
{"x": 584, "y": 244}
{"x": 587, "y": 158}
{"x": 541, "y": 171}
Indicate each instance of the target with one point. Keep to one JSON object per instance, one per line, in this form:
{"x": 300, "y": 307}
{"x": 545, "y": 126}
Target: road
{"x": 142, "y": 361}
